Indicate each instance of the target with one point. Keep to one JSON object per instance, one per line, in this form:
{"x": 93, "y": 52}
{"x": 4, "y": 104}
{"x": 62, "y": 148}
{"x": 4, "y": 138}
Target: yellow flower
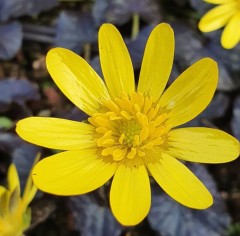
{"x": 227, "y": 14}
{"x": 131, "y": 131}
{"x": 15, "y": 215}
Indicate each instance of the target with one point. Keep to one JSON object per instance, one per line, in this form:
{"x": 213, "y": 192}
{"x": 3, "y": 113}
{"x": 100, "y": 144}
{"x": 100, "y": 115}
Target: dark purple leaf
{"x": 235, "y": 122}
{"x": 10, "y": 40}
{"x": 74, "y": 29}
{"x": 201, "y": 6}
{"x": 9, "y": 142}
{"x": 120, "y": 11}
{"x": 91, "y": 219}
{"x": 137, "y": 46}
{"x": 76, "y": 114}
{"x": 22, "y": 153}
{"x": 171, "y": 218}
{"x": 23, "y": 157}
{"x": 215, "y": 109}
{"x": 16, "y": 8}
{"x": 95, "y": 63}
{"x": 18, "y": 91}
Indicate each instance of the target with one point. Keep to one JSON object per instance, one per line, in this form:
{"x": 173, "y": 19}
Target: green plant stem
{"x": 87, "y": 51}
{"x": 135, "y": 26}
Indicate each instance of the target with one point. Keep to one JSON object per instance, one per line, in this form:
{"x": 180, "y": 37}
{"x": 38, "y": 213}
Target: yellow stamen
{"x": 121, "y": 138}
{"x": 132, "y": 153}
{"x": 130, "y": 126}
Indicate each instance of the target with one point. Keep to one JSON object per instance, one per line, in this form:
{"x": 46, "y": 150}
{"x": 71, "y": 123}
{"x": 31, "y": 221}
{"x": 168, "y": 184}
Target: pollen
{"x": 128, "y": 127}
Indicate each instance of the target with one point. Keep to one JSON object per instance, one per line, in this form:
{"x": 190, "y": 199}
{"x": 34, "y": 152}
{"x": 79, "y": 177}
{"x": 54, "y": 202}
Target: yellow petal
{"x": 179, "y": 182}
{"x": 4, "y": 203}
{"x": 217, "y": 17}
{"x": 73, "y": 172}
{"x": 56, "y": 133}
{"x": 130, "y": 195}
{"x": 231, "y": 36}
{"x": 15, "y": 201}
{"x": 77, "y": 80}
{"x": 13, "y": 179}
{"x": 115, "y": 61}
{"x": 30, "y": 189}
{"x": 202, "y": 145}
{"x": 191, "y": 92}
{"x": 157, "y": 61}
{"x": 2, "y": 190}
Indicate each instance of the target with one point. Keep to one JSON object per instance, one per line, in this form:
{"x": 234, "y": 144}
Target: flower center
{"x": 129, "y": 126}
{"x": 129, "y": 130}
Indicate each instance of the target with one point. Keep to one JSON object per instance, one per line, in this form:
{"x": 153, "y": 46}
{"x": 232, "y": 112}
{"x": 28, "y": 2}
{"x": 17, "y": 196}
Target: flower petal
{"x": 56, "y": 133}
{"x": 73, "y": 172}
{"x": 77, "y": 80}
{"x": 13, "y": 179}
{"x": 30, "y": 189}
{"x": 231, "y": 36}
{"x": 130, "y": 196}
{"x": 202, "y": 145}
{"x": 179, "y": 182}
{"x": 115, "y": 61}
{"x": 217, "y": 17}
{"x": 157, "y": 61}
{"x": 2, "y": 190}
{"x": 4, "y": 203}
{"x": 191, "y": 92}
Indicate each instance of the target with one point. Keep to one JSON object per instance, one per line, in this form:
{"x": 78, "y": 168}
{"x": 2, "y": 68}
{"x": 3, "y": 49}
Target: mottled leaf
{"x": 215, "y": 109}
{"x": 74, "y": 29}
{"x": 74, "y": 114}
{"x": 201, "y": 6}
{"x": 16, "y": 8}
{"x": 120, "y": 11}
{"x": 10, "y": 40}
{"x": 19, "y": 91}
{"x": 23, "y": 157}
{"x": 92, "y": 219}
{"x": 235, "y": 122}
{"x": 172, "y": 219}
{"x": 95, "y": 63}
{"x": 9, "y": 142}
{"x": 22, "y": 153}
{"x": 136, "y": 47}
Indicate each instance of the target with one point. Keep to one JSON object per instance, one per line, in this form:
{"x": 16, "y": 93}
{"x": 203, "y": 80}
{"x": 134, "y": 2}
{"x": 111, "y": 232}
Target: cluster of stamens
{"x": 129, "y": 126}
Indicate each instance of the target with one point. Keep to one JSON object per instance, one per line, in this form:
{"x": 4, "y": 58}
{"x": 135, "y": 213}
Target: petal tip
{"x": 205, "y": 201}
{"x": 20, "y": 127}
{"x": 227, "y": 44}
{"x": 202, "y": 26}
{"x": 106, "y": 27}
{"x": 212, "y": 65}
{"x": 164, "y": 27}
